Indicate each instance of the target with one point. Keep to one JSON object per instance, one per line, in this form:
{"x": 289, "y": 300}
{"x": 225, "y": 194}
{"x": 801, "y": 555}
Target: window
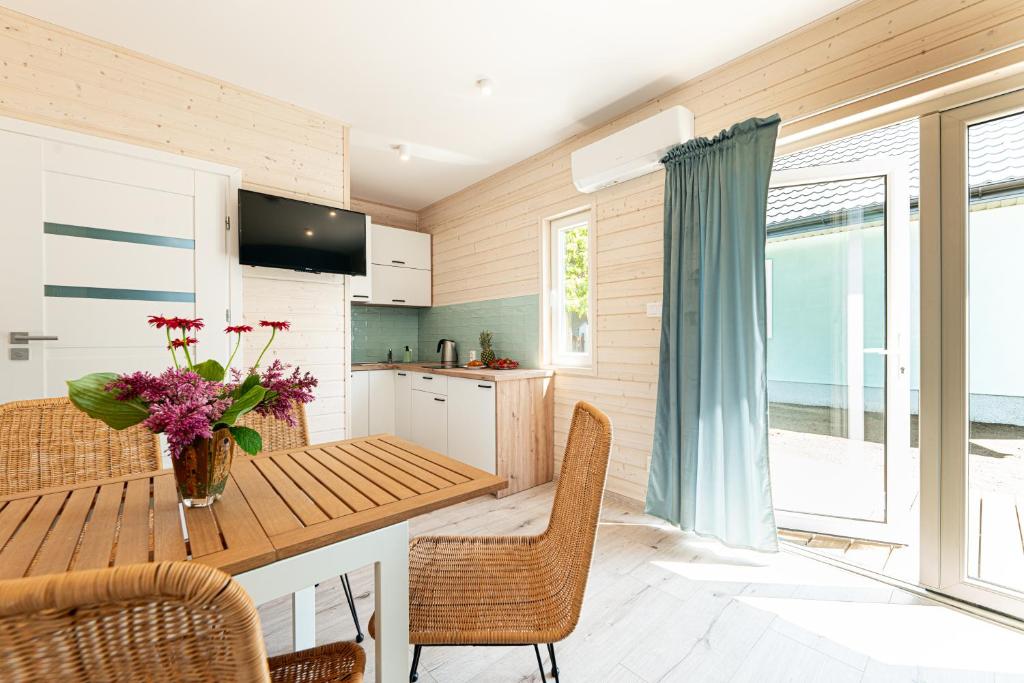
{"x": 571, "y": 336}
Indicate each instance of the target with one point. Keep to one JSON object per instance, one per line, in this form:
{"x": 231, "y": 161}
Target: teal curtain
{"x": 709, "y": 466}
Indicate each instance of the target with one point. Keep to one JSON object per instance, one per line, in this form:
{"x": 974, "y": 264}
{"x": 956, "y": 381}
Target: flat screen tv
{"x": 286, "y": 233}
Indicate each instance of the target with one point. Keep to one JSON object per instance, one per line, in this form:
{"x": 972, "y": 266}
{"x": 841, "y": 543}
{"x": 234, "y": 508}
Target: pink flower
{"x": 286, "y": 391}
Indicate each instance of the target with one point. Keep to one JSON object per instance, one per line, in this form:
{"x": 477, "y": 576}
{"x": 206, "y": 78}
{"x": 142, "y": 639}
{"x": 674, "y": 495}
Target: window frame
{"x": 552, "y": 318}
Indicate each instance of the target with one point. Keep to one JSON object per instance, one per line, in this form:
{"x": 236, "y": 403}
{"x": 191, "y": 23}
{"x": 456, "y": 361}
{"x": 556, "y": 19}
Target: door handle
{"x": 25, "y": 338}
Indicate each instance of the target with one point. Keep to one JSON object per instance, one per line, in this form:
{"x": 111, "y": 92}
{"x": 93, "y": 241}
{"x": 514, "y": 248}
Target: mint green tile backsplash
{"x": 375, "y": 329}
{"x": 515, "y": 323}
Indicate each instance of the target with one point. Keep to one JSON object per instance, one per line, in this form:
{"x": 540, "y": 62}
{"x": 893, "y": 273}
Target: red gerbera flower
{"x": 158, "y": 320}
{"x": 179, "y": 343}
{"x": 191, "y": 323}
{"x": 238, "y": 329}
{"x": 277, "y": 325}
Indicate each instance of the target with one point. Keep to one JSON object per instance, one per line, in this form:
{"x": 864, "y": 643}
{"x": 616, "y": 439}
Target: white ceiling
{"x": 404, "y": 71}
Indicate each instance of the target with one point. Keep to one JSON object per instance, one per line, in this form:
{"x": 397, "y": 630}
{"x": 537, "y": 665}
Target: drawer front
{"x": 435, "y": 384}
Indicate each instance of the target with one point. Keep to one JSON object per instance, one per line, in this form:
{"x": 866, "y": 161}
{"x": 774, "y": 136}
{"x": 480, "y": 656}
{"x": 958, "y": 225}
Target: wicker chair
{"x": 172, "y": 621}
{"x": 278, "y": 435}
{"x": 515, "y": 590}
{"x": 50, "y": 442}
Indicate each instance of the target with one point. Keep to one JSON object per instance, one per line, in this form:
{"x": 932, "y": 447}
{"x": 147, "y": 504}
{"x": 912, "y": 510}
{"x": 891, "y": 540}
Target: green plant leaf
{"x": 89, "y": 396}
{"x": 242, "y": 405}
{"x": 210, "y": 370}
{"x": 247, "y": 384}
{"x": 249, "y": 440}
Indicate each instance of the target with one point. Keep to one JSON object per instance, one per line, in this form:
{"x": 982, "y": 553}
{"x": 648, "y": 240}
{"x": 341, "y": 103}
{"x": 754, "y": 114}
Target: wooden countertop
{"x": 485, "y": 374}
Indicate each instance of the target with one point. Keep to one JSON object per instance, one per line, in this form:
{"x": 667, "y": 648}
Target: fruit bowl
{"x": 503, "y": 364}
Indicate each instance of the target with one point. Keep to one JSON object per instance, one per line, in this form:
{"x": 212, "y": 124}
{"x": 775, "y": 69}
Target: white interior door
{"x": 838, "y": 348}
{"x": 97, "y": 240}
{"x": 973, "y": 509}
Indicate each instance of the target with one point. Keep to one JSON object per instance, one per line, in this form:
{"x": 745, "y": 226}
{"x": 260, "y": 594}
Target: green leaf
{"x": 249, "y": 440}
{"x": 246, "y": 385}
{"x": 89, "y": 396}
{"x": 242, "y": 405}
{"x": 210, "y": 370}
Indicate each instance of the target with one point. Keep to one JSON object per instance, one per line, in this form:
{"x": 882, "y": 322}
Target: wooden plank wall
{"x": 486, "y": 237}
{"x": 54, "y": 76}
{"x": 385, "y": 214}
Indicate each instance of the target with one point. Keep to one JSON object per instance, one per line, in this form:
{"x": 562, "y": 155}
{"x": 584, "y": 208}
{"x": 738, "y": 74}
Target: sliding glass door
{"x": 973, "y": 438}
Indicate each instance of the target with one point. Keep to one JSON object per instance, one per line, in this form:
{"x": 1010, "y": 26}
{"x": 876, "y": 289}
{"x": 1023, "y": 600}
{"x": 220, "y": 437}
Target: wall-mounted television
{"x": 276, "y": 232}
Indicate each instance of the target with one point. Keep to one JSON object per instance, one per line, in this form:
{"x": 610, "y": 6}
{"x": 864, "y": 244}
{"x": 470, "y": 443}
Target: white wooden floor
{"x": 664, "y": 606}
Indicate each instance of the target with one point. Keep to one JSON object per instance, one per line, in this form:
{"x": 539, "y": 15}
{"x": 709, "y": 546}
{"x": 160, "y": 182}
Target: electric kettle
{"x": 449, "y": 354}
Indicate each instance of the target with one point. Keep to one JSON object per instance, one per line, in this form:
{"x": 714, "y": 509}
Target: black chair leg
{"x": 347, "y": 587}
{"x": 554, "y": 662}
{"x": 413, "y": 675}
{"x": 540, "y": 663}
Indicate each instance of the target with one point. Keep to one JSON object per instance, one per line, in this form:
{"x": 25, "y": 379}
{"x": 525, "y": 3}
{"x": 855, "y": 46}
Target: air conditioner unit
{"x": 632, "y": 152}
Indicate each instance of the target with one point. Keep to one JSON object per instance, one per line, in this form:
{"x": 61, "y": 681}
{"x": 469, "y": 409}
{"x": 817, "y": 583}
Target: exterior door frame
{"x": 898, "y": 485}
{"x": 944, "y": 360}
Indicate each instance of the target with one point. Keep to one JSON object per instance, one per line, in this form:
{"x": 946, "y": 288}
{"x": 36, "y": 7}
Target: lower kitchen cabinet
{"x": 382, "y": 401}
{"x": 403, "y": 404}
{"x": 360, "y": 404}
{"x": 472, "y": 422}
{"x": 430, "y": 420}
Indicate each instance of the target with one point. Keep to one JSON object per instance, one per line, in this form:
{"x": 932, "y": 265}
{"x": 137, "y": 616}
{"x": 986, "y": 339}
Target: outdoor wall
{"x": 54, "y": 76}
{"x": 487, "y": 237}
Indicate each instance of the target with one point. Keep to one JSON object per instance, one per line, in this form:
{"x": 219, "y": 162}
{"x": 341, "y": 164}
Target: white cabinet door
{"x": 382, "y": 401}
{"x": 430, "y": 421}
{"x": 471, "y": 422}
{"x": 403, "y": 404}
{"x": 360, "y": 287}
{"x": 360, "y": 404}
{"x": 404, "y": 248}
{"x": 395, "y": 286}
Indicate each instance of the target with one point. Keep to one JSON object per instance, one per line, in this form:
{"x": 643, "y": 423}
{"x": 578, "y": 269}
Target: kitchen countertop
{"x": 485, "y": 374}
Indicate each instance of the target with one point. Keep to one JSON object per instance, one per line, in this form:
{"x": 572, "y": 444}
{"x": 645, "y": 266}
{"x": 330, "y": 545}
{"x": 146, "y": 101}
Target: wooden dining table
{"x": 288, "y": 520}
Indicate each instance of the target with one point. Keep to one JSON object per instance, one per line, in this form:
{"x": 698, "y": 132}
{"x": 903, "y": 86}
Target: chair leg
{"x": 413, "y": 675}
{"x": 347, "y": 587}
{"x": 540, "y": 663}
{"x": 554, "y": 662}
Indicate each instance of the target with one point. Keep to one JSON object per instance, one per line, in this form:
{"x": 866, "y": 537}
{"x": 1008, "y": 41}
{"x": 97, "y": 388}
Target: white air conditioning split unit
{"x": 632, "y": 152}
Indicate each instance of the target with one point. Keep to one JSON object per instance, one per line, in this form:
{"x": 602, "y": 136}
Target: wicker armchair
{"x": 172, "y": 621}
{"x": 49, "y": 442}
{"x": 515, "y": 590}
{"x": 278, "y": 435}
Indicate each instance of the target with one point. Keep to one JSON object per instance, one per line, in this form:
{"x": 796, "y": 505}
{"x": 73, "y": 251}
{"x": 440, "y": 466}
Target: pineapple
{"x": 486, "y": 351}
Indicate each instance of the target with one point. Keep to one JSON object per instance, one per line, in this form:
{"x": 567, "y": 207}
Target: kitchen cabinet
{"x": 359, "y": 405}
{"x": 402, "y": 248}
{"x": 360, "y": 287}
{"x": 403, "y": 404}
{"x": 472, "y": 422}
{"x": 430, "y": 420}
{"x": 394, "y": 286}
{"x": 382, "y": 401}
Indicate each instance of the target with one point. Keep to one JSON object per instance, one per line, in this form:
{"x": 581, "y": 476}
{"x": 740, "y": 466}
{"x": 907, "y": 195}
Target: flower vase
{"x": 201, "y": 470}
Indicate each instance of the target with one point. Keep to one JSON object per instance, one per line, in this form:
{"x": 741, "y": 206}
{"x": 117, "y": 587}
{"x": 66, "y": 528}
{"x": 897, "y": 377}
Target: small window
{"x": 572, "y": 294}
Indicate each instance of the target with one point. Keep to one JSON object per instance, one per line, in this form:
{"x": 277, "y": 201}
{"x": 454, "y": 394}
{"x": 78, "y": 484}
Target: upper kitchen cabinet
{"x": 400, "y": 248}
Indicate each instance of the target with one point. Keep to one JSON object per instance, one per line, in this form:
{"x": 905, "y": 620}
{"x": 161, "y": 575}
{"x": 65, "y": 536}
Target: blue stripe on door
{"x": 117, "y": 236}
{"x": 63, "y": 291}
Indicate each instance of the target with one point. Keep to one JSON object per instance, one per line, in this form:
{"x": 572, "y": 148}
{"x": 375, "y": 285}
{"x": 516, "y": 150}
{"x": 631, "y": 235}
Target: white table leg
{"x": 304, "y": 618}
{"x": 391, "y": 579}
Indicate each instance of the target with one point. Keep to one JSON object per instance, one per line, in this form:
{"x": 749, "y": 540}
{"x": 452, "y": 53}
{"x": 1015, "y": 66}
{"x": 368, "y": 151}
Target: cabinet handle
{"x": 399, "y": 301}
{"x": 484, "y": 386}
{"x": 401, "y": 263}
{"x": 426, "y": 377}
{"x": 439, "y": 399}
{"x": 360, "y": 296}
{"x": 401, "y": 374}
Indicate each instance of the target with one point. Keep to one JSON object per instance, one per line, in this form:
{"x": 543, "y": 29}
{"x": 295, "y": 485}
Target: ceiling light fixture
{"x": 486, "y": 86}
{"x": 403, "y": 152}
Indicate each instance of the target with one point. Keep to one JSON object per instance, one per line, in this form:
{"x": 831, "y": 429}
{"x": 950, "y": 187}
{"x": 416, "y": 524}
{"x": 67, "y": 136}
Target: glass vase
{"x": 201, "y": 470}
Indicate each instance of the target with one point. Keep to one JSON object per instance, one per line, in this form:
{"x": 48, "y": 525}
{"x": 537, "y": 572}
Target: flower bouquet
{"x": 197, "y": 404}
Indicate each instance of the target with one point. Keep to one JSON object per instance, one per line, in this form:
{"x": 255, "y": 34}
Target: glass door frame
{"x": 897, "y": 526}
{"x": 944, "y": 425}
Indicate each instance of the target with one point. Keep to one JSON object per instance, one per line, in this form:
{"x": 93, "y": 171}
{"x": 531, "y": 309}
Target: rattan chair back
{"x": 170, "y": 621}
{"x": 278, "y": 434}
{"x": 49, "y": 442}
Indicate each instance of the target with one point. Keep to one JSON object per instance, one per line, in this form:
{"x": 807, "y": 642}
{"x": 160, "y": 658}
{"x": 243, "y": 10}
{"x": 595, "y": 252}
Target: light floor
{"x": 665, "y": 606}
